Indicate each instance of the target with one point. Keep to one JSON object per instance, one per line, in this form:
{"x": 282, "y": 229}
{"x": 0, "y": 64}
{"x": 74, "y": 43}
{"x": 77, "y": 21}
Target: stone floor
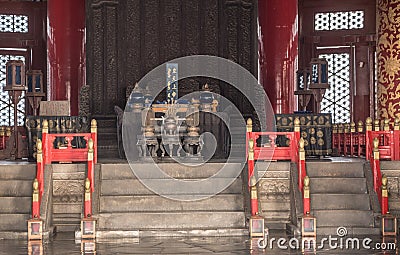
{"x": 65, "y": 244}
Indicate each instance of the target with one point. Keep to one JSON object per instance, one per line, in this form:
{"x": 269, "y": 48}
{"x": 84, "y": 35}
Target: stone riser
{"x": 124, "y": 171}
{"x": 135, "y": 187}
{"x": 160, "y": 204}
{"x": 178, "y": 220}
{"x": 340, "y": 202}
{"x": 347, "y": 218}
{"x": 328, "y": 185}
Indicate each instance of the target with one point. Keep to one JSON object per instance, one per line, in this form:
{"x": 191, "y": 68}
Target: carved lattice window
{"x": 6, "y": 108}
{"x": 13, "y": 23}
{"x": 337, "y": 99}
{"x": 338, "y": 20}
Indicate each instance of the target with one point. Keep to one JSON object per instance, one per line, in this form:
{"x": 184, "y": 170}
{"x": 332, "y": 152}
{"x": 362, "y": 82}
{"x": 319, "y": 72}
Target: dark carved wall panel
{"x": 128, "y": 38}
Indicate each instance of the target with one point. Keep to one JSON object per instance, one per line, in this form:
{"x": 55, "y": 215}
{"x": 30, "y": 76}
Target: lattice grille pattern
{"x": 6, "y": 108}
{"x": 337, "y": 99}
{"x": 339, "y": 20}
{"x": 14, "y": 23}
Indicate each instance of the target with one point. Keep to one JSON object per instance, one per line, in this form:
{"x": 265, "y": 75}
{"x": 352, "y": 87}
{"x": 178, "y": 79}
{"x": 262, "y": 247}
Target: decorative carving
{"x": 70, "y": 187}
{"x": 388, "y": 49}
{"x": 84, "y": 101}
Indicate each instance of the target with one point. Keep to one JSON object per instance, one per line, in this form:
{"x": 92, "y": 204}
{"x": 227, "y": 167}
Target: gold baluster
{"x": 352, "y": 127}
{"x": 360, "y": 127}
{"x": 249, "y": 126}
{"x": 396, "y": 124}
{"x": 368, "y": 124}
{"x": 386, "y": 125}
{"x": 376, "y": 125}
{"x": 376, "y": 148}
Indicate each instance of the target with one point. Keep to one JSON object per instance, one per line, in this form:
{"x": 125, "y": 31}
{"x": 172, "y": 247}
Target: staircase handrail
{"x": 46, "y": 153}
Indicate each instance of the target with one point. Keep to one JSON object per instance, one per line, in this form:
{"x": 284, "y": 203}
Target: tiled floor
{"x": 65, "y": 244}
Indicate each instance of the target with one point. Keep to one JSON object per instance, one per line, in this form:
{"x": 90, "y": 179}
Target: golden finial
{"x": 301, "y": 143}
{"x": 93, "y": 123}
{"x": 306, "y": 182}
{"x": 296, "y": 125}
{"x": 384, "y": 181}
{"x": 90, "y": 145}
{"x": 346, "y": 127}
{"x": 368, "y": 124}
{"x": 251, "y": 144}
{"x": 253, "y": 181}
{"x": 87, "y": 185}
{"x": 376, "y": 125}
{"x": 93, "y": 126}
{"x": 386, "y": 125}
{"x": 8, "y": 131}
{"x": 39, "y": 146}
{"x": 45, "y": 124}
{"x": 352, "y": 127}
{"x": 35, "y": 186}
{"x": 360, "y": 127}
{"x": 340, "y": 129}
{"x": 396, "y": 124}
{"x": 249, "y": 126}
{"x": 296, "y": 121}
{"x": 334, "y": 128}
{"x": 376, "y": 143}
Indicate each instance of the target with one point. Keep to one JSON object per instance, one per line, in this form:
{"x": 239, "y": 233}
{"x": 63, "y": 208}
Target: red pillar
{"x": 278, "y": 52}
{"x": 66, "y": 50}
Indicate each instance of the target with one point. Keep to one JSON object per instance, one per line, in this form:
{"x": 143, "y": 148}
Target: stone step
{"x": 135, "y": 187}
{"x": 14, "y": 222}
{"x": 15, "y": 205}
{"x": 160, "y": 204}
{"x": 66, "y": 216}
{"x": 348, "y": 218}
{"x": 177, "y": 171}
{"x": 21, "y": 171}
{"x": 68, "y": 168}
{"x": 16, "y": 188}
{"x": 67, "y": 207}
{"x": 272, "y": 166}
{"x": 274, "y": 224}
{"x": 340, "y": 202}
{"x": 221, "y": 232}
{"x": 338, "y": 185}
{"x": 171, "y": 220}
{"x": 60, "y": 228}
{"x": 271, "y": 205}
{"x": 335, "y": 169}
{"x": 351, "y": 231}
{"x": 276, "y": 215}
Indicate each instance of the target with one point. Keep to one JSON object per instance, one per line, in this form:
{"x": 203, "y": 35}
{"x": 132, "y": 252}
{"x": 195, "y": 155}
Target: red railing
{"x": 349, "y": 142}
{"x": 65, "y": 151}
{"x": 258, "y": 150}
{"x": 375, "y": 145}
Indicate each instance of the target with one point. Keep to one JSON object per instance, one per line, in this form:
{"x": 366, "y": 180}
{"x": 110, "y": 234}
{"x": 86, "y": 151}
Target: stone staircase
{"x": 15, "y": 199}
{"x": 68, "y": 190}
{"x": 341, "y": 196}
{"x": 125, "y": 204}
{"x": 274, "y": 193}
{"x": 107, "y": 136}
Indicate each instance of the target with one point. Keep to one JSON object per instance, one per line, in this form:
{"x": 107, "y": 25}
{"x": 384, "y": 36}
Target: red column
{"x": 66, "y": 50}
{"x": 278, "y": 52}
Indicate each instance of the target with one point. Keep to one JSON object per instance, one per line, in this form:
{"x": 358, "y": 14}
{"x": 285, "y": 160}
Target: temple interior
{"x": 199, "y": 126}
